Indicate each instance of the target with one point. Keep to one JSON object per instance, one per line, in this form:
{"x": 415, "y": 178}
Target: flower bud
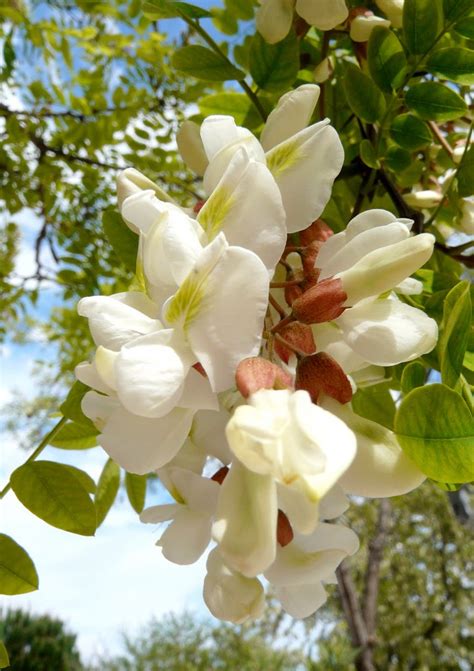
{"x": 363, "y": 25}
{"x": 131, "y": 181}
{"x": 323, "y": 71}
{"x": 284, "y": 530}
{"x": 318, "y": 230}
{"x": 191, "y": 148}
{"x": 426, "y": 198}
{"x": 393, "y": 9}
{"x": 297, "y": 334}
{"x": 321, "y": 373}
{"x": 322, "y": 303}
{"x": 383, "y": 269}
{"x": 255, "y": 373}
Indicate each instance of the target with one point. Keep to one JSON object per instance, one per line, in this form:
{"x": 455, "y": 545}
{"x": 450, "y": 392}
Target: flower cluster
{"x": 275, "y": 17}
{"x": 230, "y": 373}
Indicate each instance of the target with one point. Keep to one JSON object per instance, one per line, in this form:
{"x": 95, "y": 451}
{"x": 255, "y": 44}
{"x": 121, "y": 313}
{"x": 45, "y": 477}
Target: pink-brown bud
{"x": 256, "y": 373}
{"x": 309, "y": 256}
{"x": 320, "y": 373}
{"x": 292, "y": 293}
{"x": 297, "y": 334}
{"x": 220, "y": 475}
{"x": 199, "y": 368}
{"x": 322, "y": 303}
{"x": 318, "y": 230}
{"x": 284, "y": 530}
{"x": 198, "y": 206}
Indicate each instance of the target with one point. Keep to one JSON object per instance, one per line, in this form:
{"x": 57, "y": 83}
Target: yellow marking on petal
{"x": 283, "y": 157}
{"x": 214, "y": 212}
{"x": 176, "y": 495}
{"x": 187, "y": 301}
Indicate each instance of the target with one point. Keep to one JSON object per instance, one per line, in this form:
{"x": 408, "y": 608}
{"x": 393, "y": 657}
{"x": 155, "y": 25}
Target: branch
{"x": 355, "y": 619}
{"x": 372, "y": 576}
{"x": 404, "y": 210}
{"x": 57, "y": 151}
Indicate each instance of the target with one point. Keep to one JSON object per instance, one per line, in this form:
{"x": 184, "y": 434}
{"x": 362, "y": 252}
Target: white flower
{"x": 229, "y": 595}
{"x": 393, "y": 9}
{"x": 304, "y": 161}
{"x": 423, "y": 199}
{"x": 362, "y": 26}
{"x": 302, "y": 565}
{"x": 380, "y": 468}
{"x": 285, "y": 449}
{"x": 467, "y": 215}
{"x": 188, "y": 535}
{"x": 274, "y": 17}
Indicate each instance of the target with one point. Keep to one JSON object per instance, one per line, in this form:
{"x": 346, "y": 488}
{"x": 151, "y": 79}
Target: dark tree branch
{"x": 372, "y": 576}
{"x": 355, "y": 618}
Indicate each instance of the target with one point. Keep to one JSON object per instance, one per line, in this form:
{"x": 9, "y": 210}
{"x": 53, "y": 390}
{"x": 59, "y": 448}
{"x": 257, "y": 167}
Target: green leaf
{"x": 203, "y": 63}
{"x": 436, "y": 429}
{"x": 455, "y": 330}
{"x": 274, "y": 67}
{"x": 73, "y": 436}
{"x": 82, "y": 477}
{"x": 455, "y": 63}
{"x": 422, "y": 23}
{"x": 4, "y": 659}
{"x": 55, "y": 494}
{"x": 435, "y": 101}
{"x": 410, "y": 132}
{"x": 363, "y": 97}
{"x": 455, "y": 9}
{"x": 17, "y": 571}
{"x": 71, "y": 407}
{"x": 122, "y": 240}
{"x": 398, "y": 159}
{"x": 107, "y": 488}
{"x": 465, "y": 174}
{"x": 368, "y": 155}
{"x": 136, "y": 490}
{"x": 164, "y": 9}
{"x": 387, "y": 60}
{"x": 233, "y": 104}
{"x": 465, "y": 28}
{"x": 413, "y": 376}
{"x": 375, "y": 403}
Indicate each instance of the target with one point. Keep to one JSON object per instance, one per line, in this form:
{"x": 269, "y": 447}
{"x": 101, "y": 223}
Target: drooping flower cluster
{"x": 231, "y": 372}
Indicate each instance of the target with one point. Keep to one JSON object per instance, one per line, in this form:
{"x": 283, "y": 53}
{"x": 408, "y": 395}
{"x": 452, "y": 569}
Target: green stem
{"x": 195, "y": 25}
{"x": 46, "y": 440}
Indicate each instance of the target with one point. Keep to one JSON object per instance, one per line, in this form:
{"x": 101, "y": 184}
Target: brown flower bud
{"x": 292, "y": 293}
{"x": 297, "y": 334}
{"x": 256, "y": 373}
{"x": 321, "y": 303}
{"x": 318, "y": 230}
{"x": 320, "y": 373}
{"x": 284, "y": 530}
{"x": 220, "y": 475}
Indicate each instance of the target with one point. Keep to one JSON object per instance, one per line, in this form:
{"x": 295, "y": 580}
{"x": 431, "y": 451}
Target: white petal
{"x": 292, "y": 113}
{"x": 323, "y": 14}
{"x": 98, "y": 408}
{"x": 362, "y": 27}
{"x": 380, "y": 467}
{"x": 388, "y": 332}
{"x": 191, "y": 148}
{"x": 362, "y": 244}
{"x": 333, "y": 504}
{"x": 198, "y": 493}
{"x": 131, "y": 181}
{"x": 141, "y": 445}
{"x": 309, "y": 559}
{"x": 150, "y": 374}
{"x": 393, "y": 9}
{"x": 229, "y": 595}
{"x": 302, "y": 513}
{"x": 409, "y": 287}
{"x": 187, "y": 537}
{"x": 305, "y": 167}
{"x": 300, "y": 601}
{"x": 208, "y": 434}
{"x": 227, "y": 326}
{"x": 87, "y": 374}
{"x": 382, "y": 269}
{"x": 157, "y": 514}
{"x": 372, "y": 219}
{"x": 197, "y": 393}
{"x": 113, "y": 323}
{"x": 274, "y": 19}
{"x": 246, "y": 205}
{"x": 245, "y": 526}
